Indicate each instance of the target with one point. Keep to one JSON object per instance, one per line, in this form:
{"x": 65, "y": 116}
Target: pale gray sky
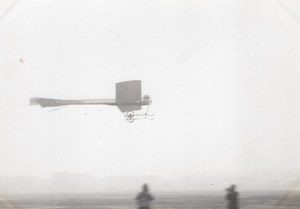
{"x": 224, "y": 77}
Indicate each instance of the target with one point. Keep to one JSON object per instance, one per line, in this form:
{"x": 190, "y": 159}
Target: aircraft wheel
{"x": 130, "y": 116}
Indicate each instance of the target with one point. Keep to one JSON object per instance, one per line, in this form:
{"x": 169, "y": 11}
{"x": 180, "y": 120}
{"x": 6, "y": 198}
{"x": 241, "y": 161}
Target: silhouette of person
{"x": 232, "y": 198}
{"x": 144, "y": 198}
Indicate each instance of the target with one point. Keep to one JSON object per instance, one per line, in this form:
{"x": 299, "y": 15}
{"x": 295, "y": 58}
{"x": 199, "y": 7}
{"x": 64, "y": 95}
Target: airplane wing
{"x": 129, "y": 95}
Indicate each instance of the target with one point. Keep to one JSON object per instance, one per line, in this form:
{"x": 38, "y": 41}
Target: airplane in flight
{"x": 128, "y": 99}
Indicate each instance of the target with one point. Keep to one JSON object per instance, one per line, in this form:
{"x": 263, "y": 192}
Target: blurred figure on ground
{"x": 144, "y": 198}
{"x": 232, "y": 198}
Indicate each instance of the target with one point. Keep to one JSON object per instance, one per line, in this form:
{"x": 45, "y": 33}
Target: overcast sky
{"x": 223, "y": 75}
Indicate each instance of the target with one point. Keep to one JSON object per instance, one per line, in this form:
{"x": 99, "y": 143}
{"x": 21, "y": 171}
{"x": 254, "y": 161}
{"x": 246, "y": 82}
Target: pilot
{"x": 146, "y": 98}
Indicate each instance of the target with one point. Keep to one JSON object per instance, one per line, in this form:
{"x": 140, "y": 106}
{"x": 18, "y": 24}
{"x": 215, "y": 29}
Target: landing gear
{"x": 129, "y": 116}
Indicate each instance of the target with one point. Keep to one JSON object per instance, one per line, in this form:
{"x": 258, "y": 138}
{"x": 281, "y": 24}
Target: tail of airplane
{"x": 45, "y": 102}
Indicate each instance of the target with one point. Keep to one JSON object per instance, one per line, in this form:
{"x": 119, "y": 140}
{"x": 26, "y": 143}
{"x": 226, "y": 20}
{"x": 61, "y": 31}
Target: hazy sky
{"x": 223, "y": 75}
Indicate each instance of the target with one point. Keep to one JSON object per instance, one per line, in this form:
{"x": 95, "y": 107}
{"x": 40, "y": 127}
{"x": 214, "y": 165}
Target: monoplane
{"x": 128, "y": 99}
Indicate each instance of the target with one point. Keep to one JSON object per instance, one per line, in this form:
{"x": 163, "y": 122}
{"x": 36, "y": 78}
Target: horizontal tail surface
{"x": 45, "y": 102}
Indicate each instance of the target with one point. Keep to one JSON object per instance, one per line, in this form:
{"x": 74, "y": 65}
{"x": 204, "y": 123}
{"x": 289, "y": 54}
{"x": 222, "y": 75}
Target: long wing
{"x": 129, "y": 95}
